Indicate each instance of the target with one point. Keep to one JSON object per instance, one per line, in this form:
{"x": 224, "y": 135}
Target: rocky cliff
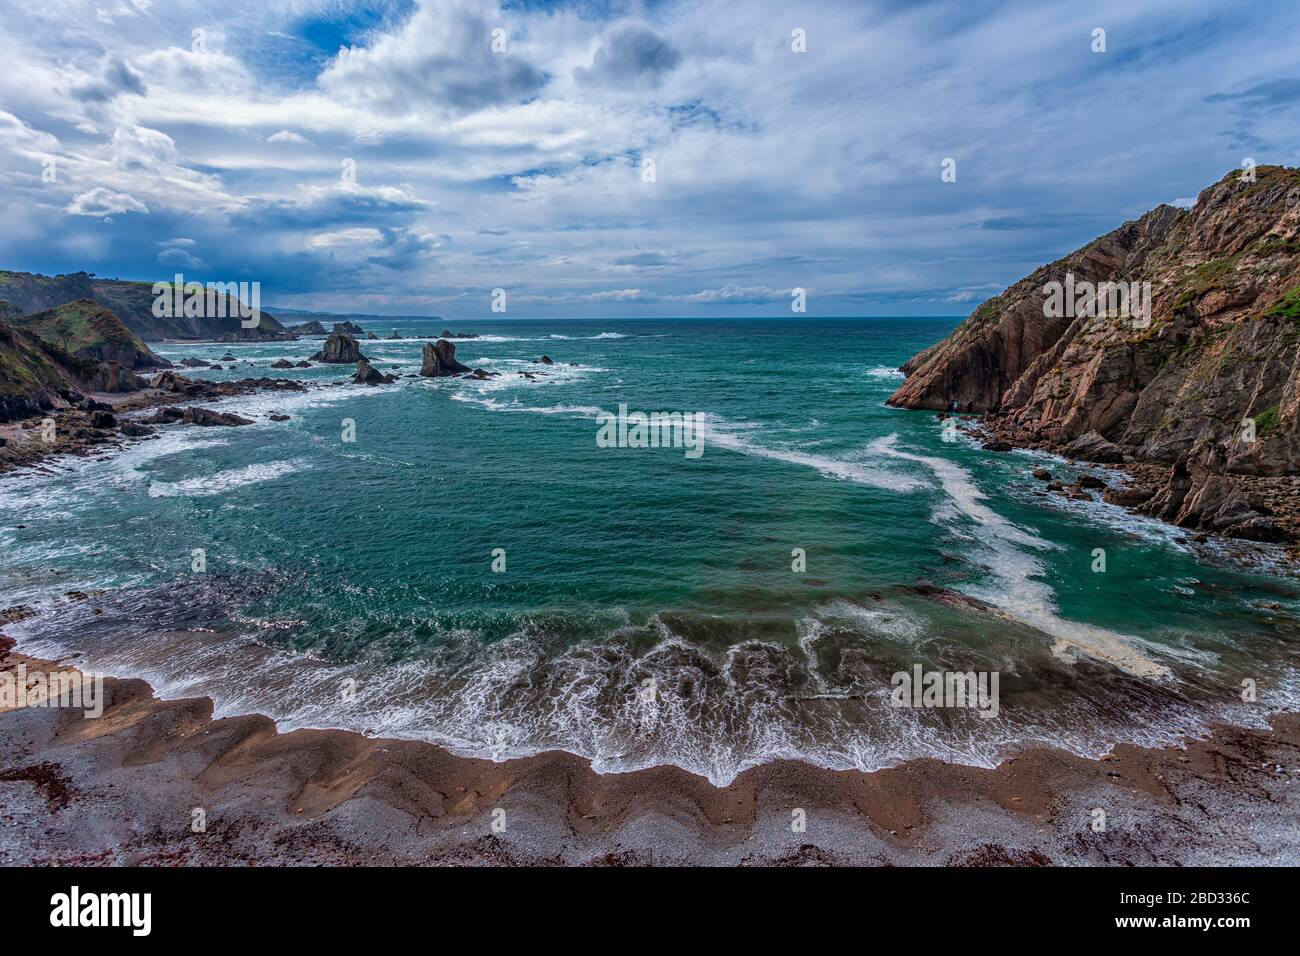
{"x": 36, "y": 376}
{"x": 1199, "y": 393}
{"x": 132, "y": 302}
{"x": 88, "y": 330}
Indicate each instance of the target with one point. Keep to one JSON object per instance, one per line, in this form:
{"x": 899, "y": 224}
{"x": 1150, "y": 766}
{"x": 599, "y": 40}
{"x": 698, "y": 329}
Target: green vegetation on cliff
{"x": 86, "y": 329}
{"x": 132, "y": 302}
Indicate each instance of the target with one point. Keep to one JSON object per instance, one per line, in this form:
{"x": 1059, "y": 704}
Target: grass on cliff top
{"x": 82, "y": 324}
{"x": 24, "y": 365}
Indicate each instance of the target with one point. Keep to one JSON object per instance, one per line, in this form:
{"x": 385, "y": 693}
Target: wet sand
{"x": 123, "y": 789}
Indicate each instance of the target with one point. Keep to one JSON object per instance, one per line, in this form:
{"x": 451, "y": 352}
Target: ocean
{"x": 462, "y": 562}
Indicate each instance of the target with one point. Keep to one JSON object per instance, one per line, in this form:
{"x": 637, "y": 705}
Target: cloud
{"x": 1275, "y": 93}
{"x": 115, "y": 78}
{"x": 521, "y": 166}
{"x": 338, "y": 203}
{"x": 731, "y": 293}
{"x": 441, "y": 60}
{"x": 631, "y": 55}
{"x": 180, "y": 258}
{"x": 100, "y": 202}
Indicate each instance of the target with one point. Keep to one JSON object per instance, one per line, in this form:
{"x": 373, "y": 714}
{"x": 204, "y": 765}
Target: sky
{"x": 620, "y": 159}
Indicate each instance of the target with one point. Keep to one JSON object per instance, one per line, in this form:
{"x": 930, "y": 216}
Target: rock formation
{"x": 88, "y": 330}
{"x": 1200, "y": 396}
{"x": 197, "y": 415}
{"x": 340, "y": 348}
{"x": 368, "y": 375}
{"x": 133, "y": 303}
{"x": 36, "y": 375}
{"x": 440, "y": 360}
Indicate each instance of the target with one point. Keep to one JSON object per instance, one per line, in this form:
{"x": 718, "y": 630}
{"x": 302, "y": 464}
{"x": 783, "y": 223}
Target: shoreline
{"x": 78, "y": 436}
{"x": 335, "y": 796}
{"x": 121, "y": 789}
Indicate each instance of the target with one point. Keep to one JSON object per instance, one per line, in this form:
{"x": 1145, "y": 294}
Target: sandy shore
{"x": 123, "y": 788}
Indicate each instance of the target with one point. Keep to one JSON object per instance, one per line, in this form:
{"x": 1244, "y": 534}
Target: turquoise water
{"x": 330, "y": 562}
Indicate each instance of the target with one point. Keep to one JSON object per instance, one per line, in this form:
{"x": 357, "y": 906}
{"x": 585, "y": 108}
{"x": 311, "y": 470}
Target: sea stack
{"x": 340, "y": 349}
{"x": 369, "y": 375}
{"x": 440, "y": 360}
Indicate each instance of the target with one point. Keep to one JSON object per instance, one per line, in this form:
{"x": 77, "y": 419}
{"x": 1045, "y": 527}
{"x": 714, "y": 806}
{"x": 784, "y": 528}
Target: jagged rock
{"x": 207, "y": 417}
{"x": 367, "y": 375}
{"x": 440, "y": 360}
{"x": 340, "y": 348}
{"x": 171, "y": 382}
{"x": 349, "y": 328}
{"x": 1042, "y": 474}
{"x": 281, "y": 363}
{"x": 111, "y": 377}
{"x": 1094, "y": 448}
{"x": 135, "y": 430}
{"x": 997, "y": 445}
{"x": 395, "y": 335}
{"x": 1200, "y": 392}
{"x": 1127, "y": 497}
{"x": 308, "y": 328}
{"x": 1088, "y": 481}
{"x": 445, "y": 334}
{"x": 102, "y": 420}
